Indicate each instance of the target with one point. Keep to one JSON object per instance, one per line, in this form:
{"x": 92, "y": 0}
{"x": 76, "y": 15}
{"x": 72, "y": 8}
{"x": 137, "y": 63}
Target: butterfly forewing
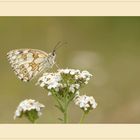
{"x": 27, "y": 63}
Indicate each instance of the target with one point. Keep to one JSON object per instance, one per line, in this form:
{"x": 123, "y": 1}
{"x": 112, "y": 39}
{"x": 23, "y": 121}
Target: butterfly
{"x": 27, "y": 63}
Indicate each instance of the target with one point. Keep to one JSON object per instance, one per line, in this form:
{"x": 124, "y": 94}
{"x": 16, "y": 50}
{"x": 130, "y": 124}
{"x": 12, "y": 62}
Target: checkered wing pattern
{"x": 27, "y": 63}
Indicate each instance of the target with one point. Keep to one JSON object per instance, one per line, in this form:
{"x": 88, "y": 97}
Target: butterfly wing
{"x": 27, "y": 63}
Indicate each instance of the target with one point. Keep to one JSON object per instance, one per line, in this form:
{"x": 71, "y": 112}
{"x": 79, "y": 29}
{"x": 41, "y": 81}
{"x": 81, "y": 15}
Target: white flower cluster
{"x": 84, "y": 75}
{"x": 85, "y": 102}
{"x": 64, "y": 78}
{"x": 28, "y": 105}
{"x": 50, "y": 80}
{"x": 69, "y": 71}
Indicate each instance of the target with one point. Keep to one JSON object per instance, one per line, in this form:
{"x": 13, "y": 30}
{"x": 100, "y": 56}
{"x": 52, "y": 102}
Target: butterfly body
{"x": 27, "y": 63}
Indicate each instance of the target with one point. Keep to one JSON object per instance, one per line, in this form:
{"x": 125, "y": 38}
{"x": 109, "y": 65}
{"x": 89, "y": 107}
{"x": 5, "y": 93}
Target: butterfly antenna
{"x": 58, "y": 45}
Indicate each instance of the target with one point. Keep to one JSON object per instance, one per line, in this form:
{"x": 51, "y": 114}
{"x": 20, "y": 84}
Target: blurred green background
{"x": 109, "y": 47}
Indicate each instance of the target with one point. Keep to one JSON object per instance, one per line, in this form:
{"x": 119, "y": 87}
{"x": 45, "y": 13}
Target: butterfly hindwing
{"x": 27, "y": 63}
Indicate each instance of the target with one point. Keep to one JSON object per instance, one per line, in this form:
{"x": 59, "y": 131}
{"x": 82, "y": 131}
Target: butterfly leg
{"x": 57, "y": 66}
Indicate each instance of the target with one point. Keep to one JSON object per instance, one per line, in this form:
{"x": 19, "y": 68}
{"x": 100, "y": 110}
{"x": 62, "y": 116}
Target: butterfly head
{"x": 51, "y": 57}
{"x": 53, "y": 53}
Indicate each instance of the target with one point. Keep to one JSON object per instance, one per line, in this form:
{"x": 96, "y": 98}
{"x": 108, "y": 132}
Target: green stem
{"x": 65, "y": 116}
{"x": 65, "y": 111}
{"x": 83, "y": 117}
{"x": 63, "y": 107}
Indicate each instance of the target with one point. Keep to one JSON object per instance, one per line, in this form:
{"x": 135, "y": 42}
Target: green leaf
{"x": 60, "y": 108}
{"x": 60, "y": 119}
{"x": 32, "y": 115}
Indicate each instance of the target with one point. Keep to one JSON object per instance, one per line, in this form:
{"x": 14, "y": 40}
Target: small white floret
{"x": 28, "y": 105}
{"x": 85, "y": 102}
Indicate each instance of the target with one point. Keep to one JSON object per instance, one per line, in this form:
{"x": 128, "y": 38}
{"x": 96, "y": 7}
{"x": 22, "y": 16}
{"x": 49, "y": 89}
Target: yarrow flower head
{"x": 86, "y": 103}
{"x": 50, "y": 80}
{"x": 29, "y": 108}
{"x": 63, "y": 80}
{"x": 83, "y": 76}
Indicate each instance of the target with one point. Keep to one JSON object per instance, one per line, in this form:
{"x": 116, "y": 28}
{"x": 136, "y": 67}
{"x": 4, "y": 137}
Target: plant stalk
{"x": 65, "y": 116}
{"x": 65, "y": 111}
{"x": 83, "y": 117}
